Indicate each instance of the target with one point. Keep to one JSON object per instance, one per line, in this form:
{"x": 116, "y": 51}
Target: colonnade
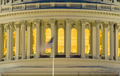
{"x": 23, "y": 43}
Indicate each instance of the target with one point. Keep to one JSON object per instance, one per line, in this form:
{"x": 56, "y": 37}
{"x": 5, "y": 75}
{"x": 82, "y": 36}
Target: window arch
{"x": 73, "y": 40}
{"x": 47, "y": 38}
{"x": 60, "y": 40}
{"x": 119, "y": 44}
{"x": 34, "y": 41}
{"x": 101, "y": 42}
{"x": 87, "y": 41}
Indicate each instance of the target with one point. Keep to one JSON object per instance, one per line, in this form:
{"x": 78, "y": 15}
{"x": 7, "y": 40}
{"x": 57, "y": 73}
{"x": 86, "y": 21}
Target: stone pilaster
{"x": 78, "y": 37}
{"x": 105, "y": 40}
{"x": 93, "y": 39}
{"x": 17, "y": 40}
{"x": 23, "y": 28}
{"x": 116, "y": 42}
{"x": 11, "y": 40}
{"x": 8, "y": 41}
{"x": 1, "y": 41}
{"x": 53, "y": 34}
{"x": 29, "y": 39}
{"x": 111, "y": 40}
{"x": 68, "y": 38}
{"x": 82, "y": 41}
{"x": 37, "y": 38}
{"x": 97, "y": 40}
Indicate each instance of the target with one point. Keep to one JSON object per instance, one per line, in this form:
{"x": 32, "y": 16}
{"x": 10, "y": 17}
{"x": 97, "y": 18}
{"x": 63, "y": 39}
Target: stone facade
{"x": 23, "y": 25}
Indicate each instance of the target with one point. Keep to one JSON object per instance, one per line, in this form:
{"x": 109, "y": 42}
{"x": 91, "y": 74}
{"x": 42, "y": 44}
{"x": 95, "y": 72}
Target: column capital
{"x": 96, "y": 23}
{"x": 17, "y": 25}
{"x": 37, "y": 21}
{"x": 6, "y": 26}
{"x": 105, "y": 24}
{"x": 111, "y": 23}
{"x": 23, "y": 25}
{"x": 29, "y": 23}
{"x": 84, "y": 22}
{"x": 52, "y": 21}
{"x": 117, "y": 25}
{"x": 1, "y": 25}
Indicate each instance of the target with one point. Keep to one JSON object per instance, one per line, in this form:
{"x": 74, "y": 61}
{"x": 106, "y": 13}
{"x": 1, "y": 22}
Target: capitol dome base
{"x": 63, "y": 67}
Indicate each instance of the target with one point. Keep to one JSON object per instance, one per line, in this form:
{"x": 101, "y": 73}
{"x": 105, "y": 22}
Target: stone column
{"x": 68, "y": 38}
{"x": 1, "y": 42}
{"x": 97, "y": 40}
{"x": 111, "y": 40}
{"x": 93, "y": 40}
{"x": 105, "y": 40}
{"x": 23, "y": 39}
{"x": 116, "y": 42}
{"x": 17, "y": 40}
{"x": 82, "y": 41}
{"x": 78, "y": 37}
{"x": 11, "y": 40}
{"x": 53, "y": 33}
{"x": 42, "y": 37}
{"x": 3, "y": 2}
{"x": 8, "y": 42}
{"x": 29, "y": 39}
{"x": 37, "y": 38}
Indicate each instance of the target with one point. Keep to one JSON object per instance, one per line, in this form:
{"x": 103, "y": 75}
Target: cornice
{"x": 59, "y": 11}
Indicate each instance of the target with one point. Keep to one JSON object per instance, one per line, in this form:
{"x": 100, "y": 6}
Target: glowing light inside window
{"x": 73, "y": 40}
{"x": 5, "y": 44}
{"x": 61, "y": 40}
{"x": 108, "y": 43}
{"x": 34, "y": 41}
{"x": 101, "y": 41}
{"x": 119, "y": 44}
{"x": 47, "y": 38}
{"x": 14, "y": 43}
{"x": 87, "y": 41}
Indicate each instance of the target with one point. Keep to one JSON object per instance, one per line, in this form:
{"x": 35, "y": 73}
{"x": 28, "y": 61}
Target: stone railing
{"x": 33, "y": 6}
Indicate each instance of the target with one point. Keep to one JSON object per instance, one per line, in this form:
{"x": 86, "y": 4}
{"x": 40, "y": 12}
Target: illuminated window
{"x": 47, "y": 38}
{"x": 73, "y": 40}
{"x": 61, "y": 40}
{"x": 87, "y": 41}
{"x": 108, "y": 43}
{"x": 14, "y": 43}
{"x": 101, "y": 41}
{"x": 5, "y": 44}
{"x": 119, "y": 44}
{"x": 34, "y": 41}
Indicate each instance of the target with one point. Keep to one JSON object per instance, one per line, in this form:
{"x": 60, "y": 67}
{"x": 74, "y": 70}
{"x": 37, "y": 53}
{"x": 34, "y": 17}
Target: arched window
{"x": 5, "y": 44}
{"x": 60, "y": 40}
{"x": 34, "y": 41}
{"x": 119, "y": 44}
{"x": 47, "y": 38}
{"x": 73, "y": 40}
{"x": 108, "y": 43}
{"x": 87, "y": 41}
{"x": 101, "y": 42}
{"x": 14, "y": 43}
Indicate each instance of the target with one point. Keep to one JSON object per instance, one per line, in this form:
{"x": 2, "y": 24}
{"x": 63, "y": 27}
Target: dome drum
{"x": 86, "y": 35}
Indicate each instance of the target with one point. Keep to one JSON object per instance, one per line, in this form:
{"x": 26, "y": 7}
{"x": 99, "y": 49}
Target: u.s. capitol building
{"x": 86, "y": 37}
